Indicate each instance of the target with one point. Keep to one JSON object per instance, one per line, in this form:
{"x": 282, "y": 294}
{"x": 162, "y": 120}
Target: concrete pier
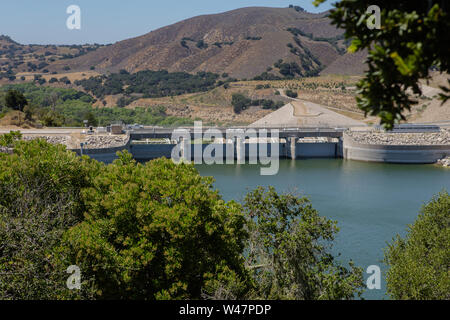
{"x": 291, "y": 148}
{"x": 240, "y": 150}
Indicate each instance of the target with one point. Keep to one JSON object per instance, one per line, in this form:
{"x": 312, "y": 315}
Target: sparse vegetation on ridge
{"x": 150, "y": 84}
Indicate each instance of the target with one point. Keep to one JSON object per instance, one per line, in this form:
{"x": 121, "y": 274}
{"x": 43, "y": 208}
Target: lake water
{"x": 372, "y": 202}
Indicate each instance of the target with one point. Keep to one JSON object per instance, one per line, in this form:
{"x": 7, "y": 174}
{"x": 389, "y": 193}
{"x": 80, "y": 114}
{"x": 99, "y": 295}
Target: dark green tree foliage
{"x": 296, "y": 32}
{"x": 267, "y": 76}
{"x": 28, "y": 110}
{"x": 15, "y": 100}
{"x": 289, "y": 69}
{"x": 152, "y": 84}
{"x": 296, "y": 8}
{"x": 155, "y": 231}
{"x": 8, "y": 139}
{"x": 65, "y": 80}
{"x": 290, "y": 250}
{"x": 268, "y": 104}
{"x": 240, "y": 102}
{"x": 68, "y": 107}
{"x": 291, "y": 94}
{"x": 92, "y": 120}
{"x": 253, "y": 38}
{"x": 413, "y": 38}
{"x": 126, "y": 100}
{"x": 39, "y": 200}
{"x": 184, "y": 44}
{"x": 202, "y": 44}
{"x": 51, "y": 118}
{"x": 419, "y": 263}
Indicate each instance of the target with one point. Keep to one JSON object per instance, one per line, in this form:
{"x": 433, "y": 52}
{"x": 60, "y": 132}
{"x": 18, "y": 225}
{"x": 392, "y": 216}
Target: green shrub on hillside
{"x": 151, "y": 84}
{"x": 291, "y": 94}
{"x": 15, "y": 100}
{"x": 240, "y": 102}
{"x": 68, "y": 107}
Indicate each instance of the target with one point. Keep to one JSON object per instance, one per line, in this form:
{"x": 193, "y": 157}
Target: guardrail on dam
{"x": 250, "y": 151}
{"x": 142, "y": 134}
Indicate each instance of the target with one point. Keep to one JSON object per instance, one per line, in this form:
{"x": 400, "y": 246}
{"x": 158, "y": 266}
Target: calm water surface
{"x": 371, "y": 202}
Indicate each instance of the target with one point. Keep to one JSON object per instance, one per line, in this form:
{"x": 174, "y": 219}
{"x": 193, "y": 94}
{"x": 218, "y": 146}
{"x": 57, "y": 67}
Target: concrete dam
{"x": 146, "y": 145}
{"x": 296, "y": 143}
{"x": 248, "y": 150}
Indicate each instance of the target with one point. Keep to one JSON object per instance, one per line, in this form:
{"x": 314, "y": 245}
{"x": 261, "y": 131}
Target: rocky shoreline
{"x": 444, "y": 162}
{"x": 104, "y": 142}
{"x": 383, "y": 138}
{"x": 65, "y": 140}
{"x": 91, "y": 142}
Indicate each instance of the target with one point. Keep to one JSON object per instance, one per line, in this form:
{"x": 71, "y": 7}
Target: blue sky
{"x": 108, "y": 21}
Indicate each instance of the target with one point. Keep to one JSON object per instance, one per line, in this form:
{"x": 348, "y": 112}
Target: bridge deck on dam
{"x": 291, "y": 149}
{"x": 293, "y": 143}
{"x": 141, "y": 134}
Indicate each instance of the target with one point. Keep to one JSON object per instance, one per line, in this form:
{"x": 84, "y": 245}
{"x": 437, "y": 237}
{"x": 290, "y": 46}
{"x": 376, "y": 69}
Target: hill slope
{"x": 348, "y": 64}
{"x": 17, "y": 58}
{"x": 243, "y": 43}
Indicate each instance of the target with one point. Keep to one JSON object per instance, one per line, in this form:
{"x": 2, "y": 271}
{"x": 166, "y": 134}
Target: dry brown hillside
{"x": 243, "y": 43}
{"x": 347, "y": 64}
{"x": 26, "y": 60}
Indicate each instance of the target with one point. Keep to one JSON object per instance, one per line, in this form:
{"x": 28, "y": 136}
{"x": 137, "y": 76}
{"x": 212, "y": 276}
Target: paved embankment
{"x": 100, "y": 147}
{"x": 384, "y": 138}
{"x": 104, "y": 142}
{"x": 65, "y": 140}
{"x": 90, "y": 142}
{"x": 306, "y": 114}
{"x": 397, "y": 147}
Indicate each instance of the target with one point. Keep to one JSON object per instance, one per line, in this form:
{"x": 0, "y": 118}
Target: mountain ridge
{"x": 243, "y": 43}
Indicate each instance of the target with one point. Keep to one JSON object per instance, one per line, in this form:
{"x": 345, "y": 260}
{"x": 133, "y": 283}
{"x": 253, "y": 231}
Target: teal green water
{"x": 372, "y": 202}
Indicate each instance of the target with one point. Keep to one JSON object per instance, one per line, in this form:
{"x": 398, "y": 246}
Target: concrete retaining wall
{"x": 346, "y": 148}
{"x": 153, "y": 151}
{"x": 143, "y": 152}
{"x": 302, "y": 150}
{"x": 394, "y": 153}
{"x": 316, "y": 150}
{"x": 106, "y": 155}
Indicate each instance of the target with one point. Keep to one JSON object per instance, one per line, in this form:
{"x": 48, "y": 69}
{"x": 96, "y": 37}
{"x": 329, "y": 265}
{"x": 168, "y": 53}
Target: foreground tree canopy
{"x": 419, "y": 264}
{"x": 414, "y": 37}
{"x": 289, "y": 250}
{"x": 154, "y": 231}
